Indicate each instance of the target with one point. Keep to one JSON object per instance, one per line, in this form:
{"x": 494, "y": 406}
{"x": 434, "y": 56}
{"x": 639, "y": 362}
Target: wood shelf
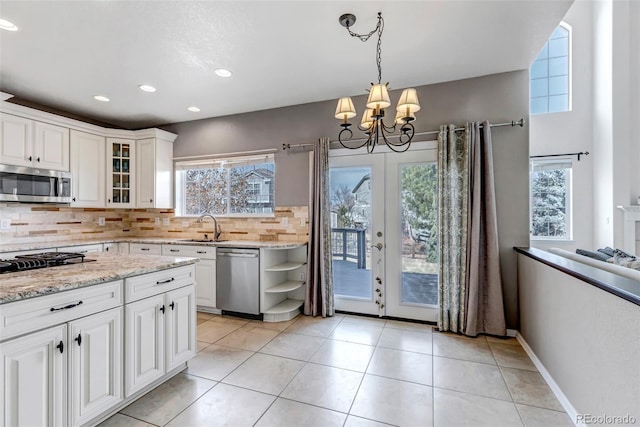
{"x": 285, "y": 266}
{"x": 288, "y": 286}
{"x": 285, "y": 306}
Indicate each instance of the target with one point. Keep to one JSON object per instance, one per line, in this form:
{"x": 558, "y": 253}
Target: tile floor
{"x": 347, "y": 371}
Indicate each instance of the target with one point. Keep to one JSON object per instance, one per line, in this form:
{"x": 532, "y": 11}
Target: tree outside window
{"x": 225, "y": 186}
{"x": 551, "y": 199}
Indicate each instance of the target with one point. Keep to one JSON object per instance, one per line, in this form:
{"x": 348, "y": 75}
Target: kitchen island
{"x": 78, "y": 342}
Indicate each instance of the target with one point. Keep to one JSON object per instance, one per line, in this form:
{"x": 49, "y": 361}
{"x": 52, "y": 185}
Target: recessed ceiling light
{"x": 147, "y": 88}
{"x": 101, "y": 98}
{"x": 7, "y": 25}
{"x": 223, "y": 72}
{"x": 193, "y": 109}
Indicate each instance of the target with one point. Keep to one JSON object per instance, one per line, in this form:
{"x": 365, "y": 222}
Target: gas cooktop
{"x": 41, "y": 260}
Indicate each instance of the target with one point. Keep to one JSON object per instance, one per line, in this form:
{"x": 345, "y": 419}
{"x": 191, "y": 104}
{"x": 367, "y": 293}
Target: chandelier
{"x": 372, "y": 123}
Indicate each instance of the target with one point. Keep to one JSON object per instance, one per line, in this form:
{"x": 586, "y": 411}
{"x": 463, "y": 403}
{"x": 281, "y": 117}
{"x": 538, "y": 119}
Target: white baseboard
{"x": 568, "y": 407}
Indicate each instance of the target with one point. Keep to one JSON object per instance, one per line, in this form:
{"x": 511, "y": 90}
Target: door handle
{"x": 379, "y": 246}
{"x": 78, "y": 339}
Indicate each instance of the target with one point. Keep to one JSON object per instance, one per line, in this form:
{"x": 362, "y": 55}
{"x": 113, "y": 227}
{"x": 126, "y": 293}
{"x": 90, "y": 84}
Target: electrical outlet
{"x": 166, "y": 222}
{"x": 157, "y": 220}
{"x": 101, "y": 221}
{"x": 302, "y": 275}
{"x": 285, "y": 222}
{"x": 5, "y": 223}
{"x": 303, "y": 222}
{"x": 185, "y": 224}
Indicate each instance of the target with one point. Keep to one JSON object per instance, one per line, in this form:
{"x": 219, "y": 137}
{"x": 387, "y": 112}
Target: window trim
{"x": 569, "y": 201}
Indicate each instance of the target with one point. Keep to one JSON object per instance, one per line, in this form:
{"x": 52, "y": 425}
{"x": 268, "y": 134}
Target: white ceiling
{"x": 281, "y": 52}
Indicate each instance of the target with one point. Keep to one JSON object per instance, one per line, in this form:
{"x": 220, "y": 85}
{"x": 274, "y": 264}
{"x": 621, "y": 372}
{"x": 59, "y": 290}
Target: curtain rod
{"x": 431, "y": 132}
{"x": 582, "y": 153}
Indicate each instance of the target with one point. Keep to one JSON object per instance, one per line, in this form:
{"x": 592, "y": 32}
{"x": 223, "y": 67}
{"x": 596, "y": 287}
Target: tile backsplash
{"x": 44, "y": 223}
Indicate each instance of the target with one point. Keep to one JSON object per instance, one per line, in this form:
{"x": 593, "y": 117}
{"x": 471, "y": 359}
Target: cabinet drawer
{"x": 20, "y": 317}
{"x": 204, "y": 252}
{"x": 83, "y": 249}
{"x": 145, "y": 248}
{"x": 147, "y": 285}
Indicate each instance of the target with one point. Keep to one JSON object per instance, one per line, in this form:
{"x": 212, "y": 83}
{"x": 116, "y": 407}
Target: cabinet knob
{"x": 73, "y": 199}
{"x": 150, "y": 200}
{"x": 162, "y": 309}
{"x": 30, "y": 158}
{"x": 172, "y": 305}
{"x": 78, "y": 339}
{"x": 60, "y": 346}
{"x": 38, "y": 159}
{"x": 108, "y": 200}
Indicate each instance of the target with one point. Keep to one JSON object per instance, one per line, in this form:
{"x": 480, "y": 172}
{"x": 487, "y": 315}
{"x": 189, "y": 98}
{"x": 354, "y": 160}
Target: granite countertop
{"x": 108, "y": 267}
{"x": 156, "y": 240}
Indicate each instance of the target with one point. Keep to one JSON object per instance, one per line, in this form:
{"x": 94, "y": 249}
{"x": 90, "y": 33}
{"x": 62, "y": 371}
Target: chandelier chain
{"x": 365, "y": 37}
{"x": 379, "y": 48}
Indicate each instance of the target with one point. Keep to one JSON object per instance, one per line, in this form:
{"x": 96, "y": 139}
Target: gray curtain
{"x": 319, "y": 290}
{"x": 470, "y": 288}
{"x": 453, "y": 188}
{"x": 485, "y": 307}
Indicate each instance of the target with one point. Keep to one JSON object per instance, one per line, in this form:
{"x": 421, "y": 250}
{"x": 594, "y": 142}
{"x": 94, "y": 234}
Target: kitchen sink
{"x": 202, "y": 240}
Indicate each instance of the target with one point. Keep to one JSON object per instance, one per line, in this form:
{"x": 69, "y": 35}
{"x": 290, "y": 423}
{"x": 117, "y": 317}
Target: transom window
{"x": 551, "y": 199}
{"x": 550, "y": 75}
{"x": 225, "y": 186}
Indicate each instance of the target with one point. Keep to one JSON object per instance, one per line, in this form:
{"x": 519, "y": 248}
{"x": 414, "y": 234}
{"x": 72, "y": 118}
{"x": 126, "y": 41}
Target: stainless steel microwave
{"x": 31, "y": 185}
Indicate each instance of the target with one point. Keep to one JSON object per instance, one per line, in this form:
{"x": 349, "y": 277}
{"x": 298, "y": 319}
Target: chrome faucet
{"x": 217, "y": 231}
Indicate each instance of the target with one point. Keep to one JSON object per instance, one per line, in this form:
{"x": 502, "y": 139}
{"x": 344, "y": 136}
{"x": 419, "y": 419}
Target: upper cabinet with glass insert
{"x": 121, "y": 173}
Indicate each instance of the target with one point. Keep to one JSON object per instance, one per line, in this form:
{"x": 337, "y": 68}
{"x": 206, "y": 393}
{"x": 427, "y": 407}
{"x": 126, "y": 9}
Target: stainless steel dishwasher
{"x": 238, "y": 280}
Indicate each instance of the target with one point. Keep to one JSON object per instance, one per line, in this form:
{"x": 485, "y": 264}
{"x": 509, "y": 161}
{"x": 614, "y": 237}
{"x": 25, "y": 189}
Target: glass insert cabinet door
{"x": 121, "y": 173}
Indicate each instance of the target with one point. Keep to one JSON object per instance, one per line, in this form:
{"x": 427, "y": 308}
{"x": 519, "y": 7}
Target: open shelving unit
{"x": 282, "y": 282}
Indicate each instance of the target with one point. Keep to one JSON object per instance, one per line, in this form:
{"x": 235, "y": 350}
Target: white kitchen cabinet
{"x": 116, "y": 247}
{"x": 145, "y": 248}
{"x": 111, "y": 247}
{"x": 282, "y": 281}
{"x": 154, "y": 173}
{"x": 180, "y": 338}
{"x": 161, "y": 325}
{"x": 144, "y": 342}
{"x": 121, "y": 174}
{"x": 25, "y": 142}
{"x": 95, "y": 361}
{"x": 50, "y": 147}
{"x": 16, "y": 140}
{"x": 87, "y": 162}
{"x": 205, "y": 272}
{"x": 34, "y": 379}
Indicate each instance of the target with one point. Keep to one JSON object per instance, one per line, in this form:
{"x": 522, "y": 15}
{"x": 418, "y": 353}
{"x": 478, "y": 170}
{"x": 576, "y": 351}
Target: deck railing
{"x": 349, "y": 244}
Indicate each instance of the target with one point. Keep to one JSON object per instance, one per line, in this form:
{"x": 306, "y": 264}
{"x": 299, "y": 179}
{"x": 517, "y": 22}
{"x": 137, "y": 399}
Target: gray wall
{"x": 497, "y": 98}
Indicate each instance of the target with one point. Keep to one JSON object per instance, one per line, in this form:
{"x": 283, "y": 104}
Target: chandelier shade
{"x": 378, "y": 96}
{"x": 367, "y": 119}
{"x": 345, "y": 109}
{"x": 408, "y": 102}
{"x": 372, "y": 122}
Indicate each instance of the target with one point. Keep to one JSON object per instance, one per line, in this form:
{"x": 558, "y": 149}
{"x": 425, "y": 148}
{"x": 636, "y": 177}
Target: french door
{"x": 384, "y": 223}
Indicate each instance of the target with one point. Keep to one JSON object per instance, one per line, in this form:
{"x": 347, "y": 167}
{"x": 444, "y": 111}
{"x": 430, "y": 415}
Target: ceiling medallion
{"x": 372, "y": 123}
